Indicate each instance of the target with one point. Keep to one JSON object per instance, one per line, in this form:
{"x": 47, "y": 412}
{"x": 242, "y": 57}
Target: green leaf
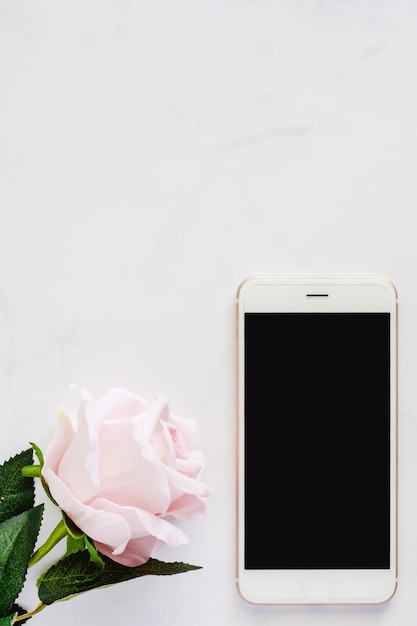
{"x": 17, "y": 539}
{"x": 83, "y": 543}
{"x": 16, "y": 613}
{"x": 7, "y": 621}
{"x": 95, "y": 556}
{"x": 17, "y": 492}
{"x": 75, "y": 545}
{"x": 76, "y": 574}
{"x": 77, "y": 541}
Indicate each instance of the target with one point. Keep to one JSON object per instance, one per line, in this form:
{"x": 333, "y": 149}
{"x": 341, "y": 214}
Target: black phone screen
{"x": 317, "y": 440}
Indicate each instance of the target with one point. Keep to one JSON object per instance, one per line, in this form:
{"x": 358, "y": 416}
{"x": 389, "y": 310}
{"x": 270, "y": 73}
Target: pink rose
{"x": 122, "y": 470}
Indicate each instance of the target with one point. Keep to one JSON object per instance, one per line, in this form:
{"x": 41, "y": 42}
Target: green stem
{"x": 32, "y": 471}
{"x": 39, "y": 608}
{"x": 56, "y": 535}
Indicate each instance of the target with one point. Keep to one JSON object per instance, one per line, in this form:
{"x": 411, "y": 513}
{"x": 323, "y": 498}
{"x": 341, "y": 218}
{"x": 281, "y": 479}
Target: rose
{"x": 122, "y": 470}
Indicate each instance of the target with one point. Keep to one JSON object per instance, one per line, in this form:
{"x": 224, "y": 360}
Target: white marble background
{"x": 153, "y": 154}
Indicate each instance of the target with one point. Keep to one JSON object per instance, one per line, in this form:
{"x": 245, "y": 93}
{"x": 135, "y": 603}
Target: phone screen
{"x": 317, "y": 440}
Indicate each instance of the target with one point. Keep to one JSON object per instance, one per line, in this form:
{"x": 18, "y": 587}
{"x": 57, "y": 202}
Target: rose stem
{"x": 59, "y": 532}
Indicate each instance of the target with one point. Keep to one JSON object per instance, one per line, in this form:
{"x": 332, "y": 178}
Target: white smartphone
{"x": 317, "y": 440}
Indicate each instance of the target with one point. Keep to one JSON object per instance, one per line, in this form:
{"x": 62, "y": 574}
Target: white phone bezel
{"x": 316, "y": 294}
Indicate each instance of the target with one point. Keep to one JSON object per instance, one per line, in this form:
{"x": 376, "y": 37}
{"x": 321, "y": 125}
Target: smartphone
{"x": 317, "y": 439}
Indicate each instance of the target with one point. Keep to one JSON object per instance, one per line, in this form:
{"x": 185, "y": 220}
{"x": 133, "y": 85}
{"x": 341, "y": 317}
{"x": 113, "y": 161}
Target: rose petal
{"x": 157, "y": 410}
{"x": 60, "y": 441}
{"x": 181, "y": 484}
{"x": 103, "y": 526}
{"x": 79, "y": 468}
{"x": 130, "y": 472}
{"x": 119, "y": 404}
{"x": 163, "y": 444}
{"x": 143, "y": 523}
{"x": 188, "y": 430}
{"x": 149, "y": 427}
{"x": 188, "y": 507}
{"x": 137, "y": 551}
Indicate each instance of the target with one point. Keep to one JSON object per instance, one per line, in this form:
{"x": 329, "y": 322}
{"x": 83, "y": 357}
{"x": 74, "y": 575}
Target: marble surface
{"x": 152, "y": 155}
